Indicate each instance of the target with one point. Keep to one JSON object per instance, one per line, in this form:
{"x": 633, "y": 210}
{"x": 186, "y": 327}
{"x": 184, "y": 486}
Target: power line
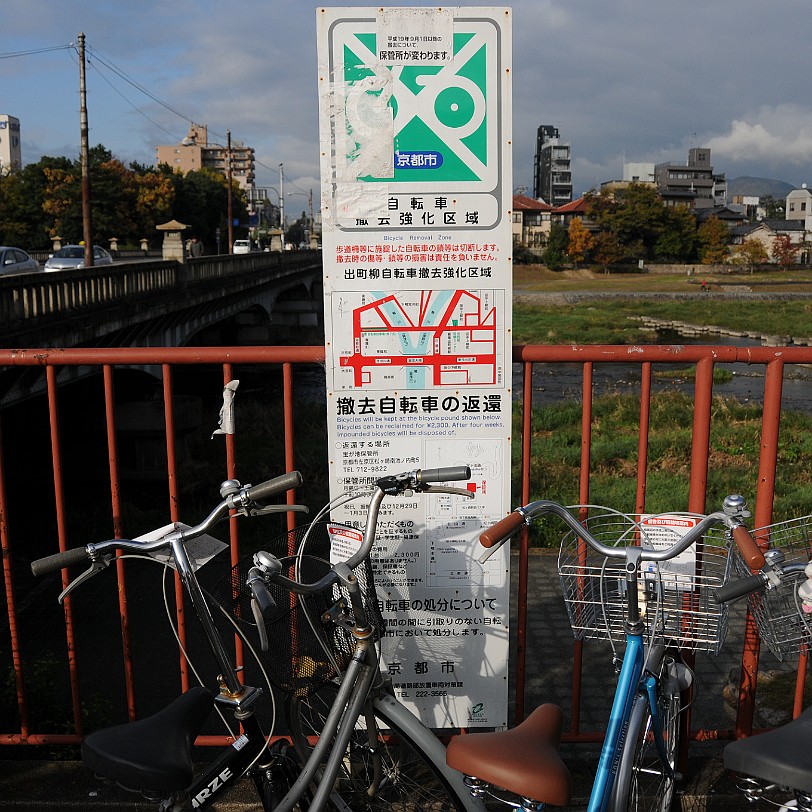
{"x": 33, "y": 51}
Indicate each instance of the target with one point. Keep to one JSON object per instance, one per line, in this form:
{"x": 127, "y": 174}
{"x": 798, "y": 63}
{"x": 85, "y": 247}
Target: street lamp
{"x": 229, "y": 194}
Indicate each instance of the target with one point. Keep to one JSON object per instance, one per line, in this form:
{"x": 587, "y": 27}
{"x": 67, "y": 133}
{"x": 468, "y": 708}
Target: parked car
{"x": 73, "y": 256}
{"x": 15, "y": 260}
{"x": 242, "y": 246}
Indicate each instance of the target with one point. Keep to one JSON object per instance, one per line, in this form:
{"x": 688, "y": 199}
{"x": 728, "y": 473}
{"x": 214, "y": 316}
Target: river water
{"x": 557, "y": 383}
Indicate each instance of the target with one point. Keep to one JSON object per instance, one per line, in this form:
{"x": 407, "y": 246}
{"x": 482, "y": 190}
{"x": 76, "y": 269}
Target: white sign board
{"x": 416, "y": 237}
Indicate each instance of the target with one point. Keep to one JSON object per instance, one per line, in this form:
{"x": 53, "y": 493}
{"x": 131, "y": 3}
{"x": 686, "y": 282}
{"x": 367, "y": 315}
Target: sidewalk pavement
{"x": 68, "y": 786}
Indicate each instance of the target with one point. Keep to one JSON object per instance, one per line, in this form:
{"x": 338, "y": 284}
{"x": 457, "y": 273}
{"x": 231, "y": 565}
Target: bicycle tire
{"x": 409, "y": 780}
{"x": 642, "y": 783}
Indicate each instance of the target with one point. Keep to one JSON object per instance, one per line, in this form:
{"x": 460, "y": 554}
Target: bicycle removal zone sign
{"x": 415, "y": 136}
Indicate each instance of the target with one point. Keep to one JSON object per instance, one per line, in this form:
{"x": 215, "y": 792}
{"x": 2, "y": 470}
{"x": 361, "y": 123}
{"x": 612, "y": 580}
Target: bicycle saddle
{"x": 523, "y": 760}
{"x": 152, "y": 755}
{"x": 780, "y": 756}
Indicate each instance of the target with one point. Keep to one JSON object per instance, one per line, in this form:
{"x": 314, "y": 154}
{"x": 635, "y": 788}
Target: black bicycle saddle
{"x": 780, "y": 756}
{"x": 152, "y": 755}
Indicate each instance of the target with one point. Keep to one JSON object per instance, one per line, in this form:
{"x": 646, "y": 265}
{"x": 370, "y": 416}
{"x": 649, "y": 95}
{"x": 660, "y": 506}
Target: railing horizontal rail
{"x": 48, "y": 428}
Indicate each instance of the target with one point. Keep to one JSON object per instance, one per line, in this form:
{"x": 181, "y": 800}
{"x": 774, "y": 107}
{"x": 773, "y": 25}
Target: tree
{"x": 636, "y": 215}
{"x": 580, "y": 241}
{"x": 713, "y": 239}
{"x": 784, "y": 251}
{"x": 678, "y": 239}
{"x": 607, "y": 250}
{"x": 556, "y": 251}
{"x": 751, "y": 253}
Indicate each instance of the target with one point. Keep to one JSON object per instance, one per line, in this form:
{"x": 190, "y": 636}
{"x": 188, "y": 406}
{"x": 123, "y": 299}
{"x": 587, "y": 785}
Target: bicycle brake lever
{"x": 99, "y": 564}
{"x": 446, "y": 489}
{"x": 265, "y": 509}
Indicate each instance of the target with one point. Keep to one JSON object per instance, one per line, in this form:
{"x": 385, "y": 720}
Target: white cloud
{"x": 772, "y": 136}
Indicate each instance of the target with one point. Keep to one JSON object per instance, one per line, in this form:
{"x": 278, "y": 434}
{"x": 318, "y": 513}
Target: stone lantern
{"x": 173, "y": 243}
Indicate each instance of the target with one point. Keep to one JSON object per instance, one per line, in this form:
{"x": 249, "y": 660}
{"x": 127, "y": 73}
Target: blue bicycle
{"x": 645, "y": 580}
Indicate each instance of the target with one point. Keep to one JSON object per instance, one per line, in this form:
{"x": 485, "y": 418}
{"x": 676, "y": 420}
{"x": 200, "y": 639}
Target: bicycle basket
{"x": 781, "y": 624}
{"x": 675, "y": 597}
{"x": 298, "y": 635}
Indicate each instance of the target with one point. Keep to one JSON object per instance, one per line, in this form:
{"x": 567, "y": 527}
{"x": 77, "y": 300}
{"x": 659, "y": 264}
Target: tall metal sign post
{"x": 415, "y": 112}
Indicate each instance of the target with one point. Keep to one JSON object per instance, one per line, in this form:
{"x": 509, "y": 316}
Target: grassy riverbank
{"x": 539, "y": 320}
{"x": 733, "y": 465}
{"x": 735, "y": 429}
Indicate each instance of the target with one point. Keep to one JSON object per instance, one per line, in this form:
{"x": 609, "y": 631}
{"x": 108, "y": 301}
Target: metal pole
{"x": 282, "y": 204}
{"x": 229, "y": 195}
{"x": 87, "y": 227}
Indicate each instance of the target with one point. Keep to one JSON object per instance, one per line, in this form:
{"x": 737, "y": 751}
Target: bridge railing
{"x": 43, "y": 296}
{"x": 25, "y": 600}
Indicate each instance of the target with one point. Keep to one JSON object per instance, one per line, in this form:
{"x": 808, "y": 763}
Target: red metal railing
{"x": 168, "y": 360}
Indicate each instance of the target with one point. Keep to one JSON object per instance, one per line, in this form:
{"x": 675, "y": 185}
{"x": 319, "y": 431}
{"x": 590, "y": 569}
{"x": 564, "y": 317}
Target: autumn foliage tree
{"x": 44, "y": 199}
{"x": 784, "y": 251}
{"x": 581, "y": 241}
{"x": 751, "y": 253}
{"x": 713, "y": 241}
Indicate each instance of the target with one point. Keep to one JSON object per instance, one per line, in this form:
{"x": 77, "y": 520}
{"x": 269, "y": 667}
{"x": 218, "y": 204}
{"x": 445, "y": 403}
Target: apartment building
{"x": 11, "y": 155}
{"x": 552, "y": 172}
{"x": 692, "y": 183}
{"x": 195, "y": 151}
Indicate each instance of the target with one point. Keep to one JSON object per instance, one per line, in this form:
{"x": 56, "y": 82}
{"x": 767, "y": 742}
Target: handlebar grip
{"x": 451, "y": 474}
{"x": 277, "y": 485}
{"x": 262, "y": 595}
{"x": 52, "y": 563}
{"x": 739, "y": 588}
{"x": 749, "y": 549}
{"x": 498, "y": 532}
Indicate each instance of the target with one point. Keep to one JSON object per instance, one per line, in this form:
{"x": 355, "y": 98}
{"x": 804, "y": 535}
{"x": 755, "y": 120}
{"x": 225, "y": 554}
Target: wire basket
{"x": 781, "y": 624}
{"x": 675, "y": 597}
{"x": 298, "y": 635}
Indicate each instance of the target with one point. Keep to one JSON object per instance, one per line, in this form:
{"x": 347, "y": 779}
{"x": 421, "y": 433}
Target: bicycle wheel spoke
{"x": 406, "y": 780}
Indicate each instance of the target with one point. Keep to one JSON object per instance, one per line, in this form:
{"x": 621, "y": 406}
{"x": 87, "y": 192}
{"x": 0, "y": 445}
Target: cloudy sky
{"x": 633, "y": 80}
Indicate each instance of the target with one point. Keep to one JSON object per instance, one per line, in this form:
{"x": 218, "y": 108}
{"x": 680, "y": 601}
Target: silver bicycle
{"x": 315, "y": 627}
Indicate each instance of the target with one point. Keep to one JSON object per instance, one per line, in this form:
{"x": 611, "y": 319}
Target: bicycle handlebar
{"x": 51, "y": 563}
{"x": 500, "y": 532}
{"x": 420, "y": 481}
{"x": 245, "y": 500}
{"x": 273, "y": 487}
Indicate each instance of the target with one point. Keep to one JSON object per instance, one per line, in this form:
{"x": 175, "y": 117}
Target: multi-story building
{"x": 694, "y": 182}
{"x": 552, "y": 173}
{"x": 531, "y": 221}
{"x": 195, "y": 151}
{"x": 11, "y": 155}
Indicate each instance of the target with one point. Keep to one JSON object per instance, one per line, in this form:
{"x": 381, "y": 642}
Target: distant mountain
{"x": 758, "y": 187}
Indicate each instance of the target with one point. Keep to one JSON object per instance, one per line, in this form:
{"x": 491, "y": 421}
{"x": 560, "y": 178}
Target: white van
{"x": 242, "y": 247}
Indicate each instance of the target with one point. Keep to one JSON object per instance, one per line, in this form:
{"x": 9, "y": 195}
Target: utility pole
{"x": 87, "y": 225}
{"x": 282, "y": 204}
{"x": 229, "y": 195}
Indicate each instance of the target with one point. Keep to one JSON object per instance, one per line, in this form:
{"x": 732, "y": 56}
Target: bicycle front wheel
{"x": 644, "y": 782}
{"x": 392, "y": 775}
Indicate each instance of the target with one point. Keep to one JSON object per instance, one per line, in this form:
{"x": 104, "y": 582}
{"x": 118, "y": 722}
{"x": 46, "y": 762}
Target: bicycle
{"x": 643, "y": 597}
{"x": 371, "y": 751}
{"x": 780, "y": 595}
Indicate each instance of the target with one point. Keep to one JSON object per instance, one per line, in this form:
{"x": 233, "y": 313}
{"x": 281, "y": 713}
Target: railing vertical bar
{"x": 11, "y": 603}
{"x": 115, "y": 502}
{"x": 583, "y": 498}
{"x": 290, "y": 457}
{"x": 765, "y": 490}
{"x": 642, "y": 442}
{"x": 233, "y": 524}
{"x": 524, "y": 542}
{"x": 62, "y": 535}
{"x": 174, "y": 513}
{"x": 697, "y": 487}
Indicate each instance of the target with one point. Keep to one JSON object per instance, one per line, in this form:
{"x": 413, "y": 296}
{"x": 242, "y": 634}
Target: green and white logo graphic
{"x": 418, "y": 123}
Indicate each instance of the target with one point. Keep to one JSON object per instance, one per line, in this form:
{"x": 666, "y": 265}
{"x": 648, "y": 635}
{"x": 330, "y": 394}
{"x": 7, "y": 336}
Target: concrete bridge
{"x": 245, "y": 298}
